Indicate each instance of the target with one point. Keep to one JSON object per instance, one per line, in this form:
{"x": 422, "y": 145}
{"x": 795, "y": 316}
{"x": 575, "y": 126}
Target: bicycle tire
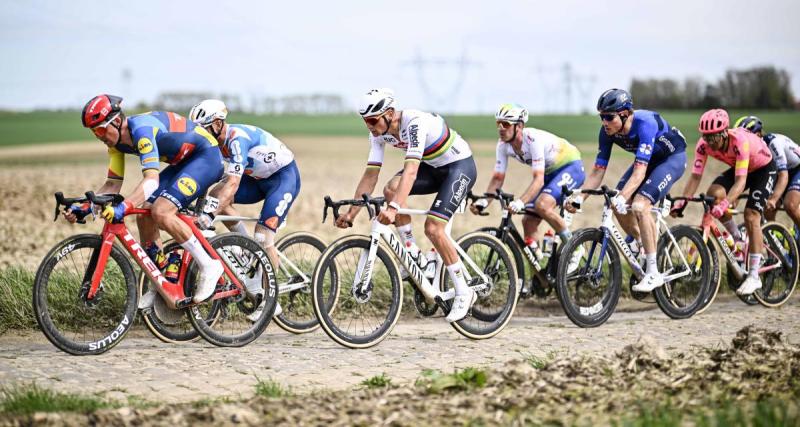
{"x": 766, "y": 295}
{"x": 487, "y": 319}
{"x": 118, "y": 311}
{"x": 333, "y": 318}
{"x": 234, "y": 310}
{"x": 678, "y": 299}
{"x": 716, "y": 273}
{"x": 514, "y": 249}
{"x": 588, "y": 316}
{"x": 305, "y": 321}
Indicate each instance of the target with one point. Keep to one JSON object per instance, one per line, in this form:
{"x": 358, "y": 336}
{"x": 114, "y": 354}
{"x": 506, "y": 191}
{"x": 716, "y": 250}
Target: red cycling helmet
{"x": 99, "y": 109}
{"x": 714, "y": 121}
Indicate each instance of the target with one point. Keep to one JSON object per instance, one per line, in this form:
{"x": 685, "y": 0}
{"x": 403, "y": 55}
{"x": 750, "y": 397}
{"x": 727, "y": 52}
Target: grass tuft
{"x": 378, "y": 381}
{"x": 269, "y": 388}
{"x": 30, "y": 398}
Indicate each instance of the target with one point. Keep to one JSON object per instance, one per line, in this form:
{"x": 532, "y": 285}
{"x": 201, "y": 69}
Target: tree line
{"x": 764, "y": 88}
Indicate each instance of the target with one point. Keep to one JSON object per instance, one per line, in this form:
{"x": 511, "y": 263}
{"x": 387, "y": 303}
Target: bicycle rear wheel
{"x": 520, "y": 263}
{"x": 682, "y": 297}
{"x": 361, "y": 315}
{"x": 590, "y": 293}
{"x": 496, "y": 303}
{"x": 239, "y": 323}
{"x": 303, "y": 251}
{"x": 716, "y": 274}
{"x": 68, "y": 319}
{"x": 778, "y": 284}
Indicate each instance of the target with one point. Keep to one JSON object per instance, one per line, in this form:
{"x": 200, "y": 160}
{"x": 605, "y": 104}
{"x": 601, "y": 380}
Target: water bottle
{"x": 729, "y": 240}
{"x": 156, "y": 255}
{"x": 430, "y": 267}
{"x": 537, "y": 252}
{"x": 173, "y": 267}
{"x": 415, "y": 253}
{"x": 547, "y": 243}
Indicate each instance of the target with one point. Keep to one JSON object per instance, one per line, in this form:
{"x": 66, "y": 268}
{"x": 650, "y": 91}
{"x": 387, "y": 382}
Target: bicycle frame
{"x": 178, "y": 298}
{"x": 430, "y": 291}
{"x": 283, "y": 288}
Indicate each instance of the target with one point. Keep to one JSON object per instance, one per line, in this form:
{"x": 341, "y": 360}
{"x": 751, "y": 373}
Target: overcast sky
{"x": 60, "y": 53}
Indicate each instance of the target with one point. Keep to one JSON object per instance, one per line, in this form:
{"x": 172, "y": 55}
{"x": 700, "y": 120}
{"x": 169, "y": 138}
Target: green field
{"x": 34, "y": 127}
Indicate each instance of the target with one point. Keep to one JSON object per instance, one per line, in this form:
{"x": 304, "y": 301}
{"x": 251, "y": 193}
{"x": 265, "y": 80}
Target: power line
{"x": 442, "y": 100}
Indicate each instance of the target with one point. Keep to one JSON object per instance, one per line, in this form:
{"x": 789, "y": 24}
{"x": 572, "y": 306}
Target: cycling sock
{"x": 405, "y": 234}
{"x": 198, "y": 251}
{"x": 652, "y": 268}
{"x": 755, "y": 263}
{"x": 456, "y": 272}
{"x": 565, "y": 235}
{"x": 239, "y": 227}
{"x": 730, "y": 225}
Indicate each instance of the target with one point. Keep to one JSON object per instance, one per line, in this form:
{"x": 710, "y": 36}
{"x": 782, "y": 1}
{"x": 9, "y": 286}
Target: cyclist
{"x": 786, "y": 154}
{"x": 194, "y": 164}
{"x": 751, "y": 166}
{"x": 437, "y": 160}
{"x": 554, "y": 162}
{"x": 260, "y": 168}
{"x": 660, "y": 161}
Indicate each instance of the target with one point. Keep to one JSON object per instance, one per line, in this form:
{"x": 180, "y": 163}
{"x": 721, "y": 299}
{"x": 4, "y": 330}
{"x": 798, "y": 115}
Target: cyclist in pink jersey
{"x": 751, "y": 167}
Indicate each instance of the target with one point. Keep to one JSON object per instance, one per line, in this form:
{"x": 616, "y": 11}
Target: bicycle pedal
{"x": 183, "y": 303}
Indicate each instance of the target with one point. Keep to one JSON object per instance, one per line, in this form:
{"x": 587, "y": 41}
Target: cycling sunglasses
{"x": 712, "y": 137}
{"x": 101, "y": 129}
{"x": 608, "y": 117}
{"x": 504, "y": 124}
{"x": 372, "y": 121}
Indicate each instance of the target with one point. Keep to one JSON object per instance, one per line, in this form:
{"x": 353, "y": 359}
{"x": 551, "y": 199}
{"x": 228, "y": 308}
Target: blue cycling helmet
{"x": 615, "y": 100}
{"x": 751, "y": 123}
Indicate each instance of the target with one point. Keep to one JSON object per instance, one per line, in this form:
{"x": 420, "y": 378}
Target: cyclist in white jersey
{"x": 554, "y": 163}
{"x": 260, "y": 168}
{"x": 786, "y": 154}
{"x": 437, "y": 160}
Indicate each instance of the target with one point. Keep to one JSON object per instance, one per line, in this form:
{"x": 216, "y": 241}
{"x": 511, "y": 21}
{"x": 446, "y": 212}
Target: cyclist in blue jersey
{"x": 260, "y": 168}
{"x": 194, "y": 164}
{"x": 660, "y": 161}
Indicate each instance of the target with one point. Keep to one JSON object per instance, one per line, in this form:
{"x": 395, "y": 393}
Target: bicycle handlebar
{"x": 707, "y": 201}
{"x": 373, "y": 205}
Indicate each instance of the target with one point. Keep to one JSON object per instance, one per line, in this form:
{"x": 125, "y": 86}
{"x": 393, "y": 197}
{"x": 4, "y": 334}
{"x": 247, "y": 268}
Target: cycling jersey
{"x": 540, "y": 149}
{"x": 650, "y": 137}
{"x": 158, "y": 136}
{"x": 784, "y": 151}
{"x": 745, "y": 152}
{"x": 425, "y": 137}
{"x": 254, "y": 152}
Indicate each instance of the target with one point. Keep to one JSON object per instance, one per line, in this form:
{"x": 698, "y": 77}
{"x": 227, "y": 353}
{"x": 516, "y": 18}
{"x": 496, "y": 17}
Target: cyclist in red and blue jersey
{"x": 194, "y": 164}
{"x": 260, "y": 168}
{"x": 660, "y": 161}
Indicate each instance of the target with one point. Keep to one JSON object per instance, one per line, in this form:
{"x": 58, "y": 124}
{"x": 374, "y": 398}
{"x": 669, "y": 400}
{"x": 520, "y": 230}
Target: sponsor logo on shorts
{"x": 664, "y": 182}
{"x": 145, "y": 146}
{"x": 459, "y": 188}
{"x": 272, "y": 222}
{"x": 187, "y": 186}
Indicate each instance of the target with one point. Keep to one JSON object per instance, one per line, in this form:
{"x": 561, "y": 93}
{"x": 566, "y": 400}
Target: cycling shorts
{"x": 572, "y": 175}
{"x": 182, "y": 183}
{"x": 278, "y": 192}
{"x": 659, "y": 177}
{"x": 451, "y": 183}
{"x": 760, "y": 182}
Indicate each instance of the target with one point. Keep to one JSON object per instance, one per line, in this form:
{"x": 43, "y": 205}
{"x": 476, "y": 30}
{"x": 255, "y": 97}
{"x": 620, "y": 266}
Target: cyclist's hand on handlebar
{"x": 573, "y": 203}
{"x": 772, "y": 205}
{"x": 345, "y": 220}
{"x": 75, "y": 212}
{"x": 720, "y": 208}
{"x": 677, "y": 207}
{"x": 386, "y": 216}
{"x": 115, "y": 213}
{"x": 620, "y": 204}
{"x": 479, "y": 205}
{"x": 516, "y": 206}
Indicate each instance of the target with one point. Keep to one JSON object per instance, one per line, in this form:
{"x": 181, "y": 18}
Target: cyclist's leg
{"x": 761, "y": 182}
{"x": 281, "y": 191}
{"x": 655, "y": 187}
{"x": 551, "y": 196}
{"x": 791, "y": 199}
{"x": 719, "y": 191}
{"x": 148, "y": 230}
{"x": 628, "y": 221}
{"x": 427, "y": 182}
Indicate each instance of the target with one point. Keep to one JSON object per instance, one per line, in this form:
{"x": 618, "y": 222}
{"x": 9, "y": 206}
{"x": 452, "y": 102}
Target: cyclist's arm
{"x": 742, "y": 149}
{"x": 111, "y": 186}
{"x": 500, "y": 167}
{"x": 144, "y": 189}
{"x": 226, "y": 189}
{"x": 238, "y": 149}
{"x": 536, "y": 185}
{"x": 366, "y": 185}
{"x": 691, "y": 186}
{"x": 595, "y": 177}
{"x": 498, "y": 178}
{"x": 407, "y": 179}
{"x": 780, "y": 186}
{"x": 636, "y": 179}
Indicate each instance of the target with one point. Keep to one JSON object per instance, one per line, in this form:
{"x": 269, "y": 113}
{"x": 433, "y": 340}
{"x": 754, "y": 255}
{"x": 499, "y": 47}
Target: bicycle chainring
{"x": 423, "y": 308}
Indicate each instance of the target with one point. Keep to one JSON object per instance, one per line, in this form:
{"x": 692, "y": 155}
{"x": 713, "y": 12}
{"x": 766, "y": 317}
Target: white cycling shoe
{"x": 649, "y": 282}
{"x": 253, "y": 317}
{"x": 254, "y": 285}
{"x": 461, "y": 306}
{"x": 575, "y": 261}
{"x": 148, "y": 299}
{"x": 207, "y": 281}
{"x": 750, "y": 285}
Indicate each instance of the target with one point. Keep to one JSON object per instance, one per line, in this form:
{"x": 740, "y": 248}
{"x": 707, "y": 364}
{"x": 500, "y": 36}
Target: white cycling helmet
{"x": 376, "y": 102}
{"x": 207, "y": 111}
{"x": 512, "y": 113}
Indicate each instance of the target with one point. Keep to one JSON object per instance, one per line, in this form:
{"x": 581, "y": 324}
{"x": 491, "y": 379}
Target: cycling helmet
{"x": 207, "y": 111}
{"x": 100, "y": 109}
{"x": 713, "y": 121}
{"x": 376, "y": 102}
{"x": 512, "y": 113}
{"x": 751, "y": 123}
{"x": 615, "y": 100}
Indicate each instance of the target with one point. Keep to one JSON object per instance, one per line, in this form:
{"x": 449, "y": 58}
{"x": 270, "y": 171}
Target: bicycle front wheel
{"x": 353, "y": 313}
{"x": 302, "y": 250}
{"x": 781, "y": 249}
{"x": 589, "y": 278}
{"x": 497, "y": 296}
{"x": 681, "y": 297}
{"x": 239, "y": 320}
{"x": 716, "y": 273}
{"x": 71, "y": 321}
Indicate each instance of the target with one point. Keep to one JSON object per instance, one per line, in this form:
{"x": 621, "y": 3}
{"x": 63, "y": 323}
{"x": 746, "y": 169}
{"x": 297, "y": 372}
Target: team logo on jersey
{"x": 187, "y": 185}
{"x": 145, "y": 146}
